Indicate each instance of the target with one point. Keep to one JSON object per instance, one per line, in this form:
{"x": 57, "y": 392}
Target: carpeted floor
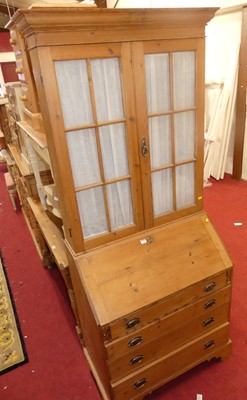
{"x": 12, "y": 346}
{"x": 57, "y": 369}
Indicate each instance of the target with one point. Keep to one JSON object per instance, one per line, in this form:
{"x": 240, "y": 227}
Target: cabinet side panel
{"x": 92, "y": 333}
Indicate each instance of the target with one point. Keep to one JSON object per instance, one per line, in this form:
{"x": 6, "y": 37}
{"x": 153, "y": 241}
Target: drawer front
{"x": 174, "y": 364}
{"x": 25, "y": 96}
{"x": 167, "y": 306}
{"x": 19, "y": 69}
{"x": 205, "y": 306}
{"x": 148, "y": 352}
{"x": 14, "y": 41}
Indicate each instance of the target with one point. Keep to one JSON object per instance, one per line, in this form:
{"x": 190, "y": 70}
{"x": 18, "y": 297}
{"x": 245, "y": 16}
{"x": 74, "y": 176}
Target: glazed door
{"x": 169, "y": 83}
{"x": 96, "y": 96}
{"x": 129, "y": 125}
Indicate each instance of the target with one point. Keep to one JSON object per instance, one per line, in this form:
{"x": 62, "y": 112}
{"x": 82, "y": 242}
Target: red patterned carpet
{"x": 57, "y": 369}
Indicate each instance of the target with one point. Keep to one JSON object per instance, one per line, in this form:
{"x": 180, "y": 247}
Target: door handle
{"x": 144, "y": 147}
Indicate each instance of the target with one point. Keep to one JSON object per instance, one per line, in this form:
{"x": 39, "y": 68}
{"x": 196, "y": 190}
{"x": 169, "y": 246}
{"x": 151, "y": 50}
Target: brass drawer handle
{"x": 209, "y": 344}
{"x": 140, "y": 383}
{"x": 208, "y": 321}
{"x": 136, "y": 359}
{"x": 209, "y": 287}
{"x": 132, "y": 323}
{"x": 23, "y": 98}
{"x": 210, "y": 303}
{"x": 134, "y": 342}
{"x": 12, "y": 42}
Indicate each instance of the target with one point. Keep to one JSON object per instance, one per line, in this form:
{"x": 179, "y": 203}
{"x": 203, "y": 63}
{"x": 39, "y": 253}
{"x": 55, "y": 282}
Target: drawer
{"x": 203, "y": 307}
{"x": 166, "y": 341}
{"x": 167, "y": 306}
{"x": 25, "y": 95}
{"x": 173, "y": 364}
{"x": 19, "y": 69}
{"x": 14, "y": 41}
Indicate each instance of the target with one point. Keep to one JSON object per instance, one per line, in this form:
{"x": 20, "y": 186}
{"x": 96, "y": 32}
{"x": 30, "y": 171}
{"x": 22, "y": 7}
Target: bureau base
{"x": 222, "y": 354}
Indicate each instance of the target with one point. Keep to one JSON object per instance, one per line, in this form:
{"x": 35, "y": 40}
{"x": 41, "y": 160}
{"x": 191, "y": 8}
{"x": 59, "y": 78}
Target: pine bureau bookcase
{"x": 121, "y": 93}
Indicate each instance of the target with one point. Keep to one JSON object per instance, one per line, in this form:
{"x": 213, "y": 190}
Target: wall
{"x": 223, "y": 35}
{"x": 169, "y": 4}
{"x": 223, "y": 38}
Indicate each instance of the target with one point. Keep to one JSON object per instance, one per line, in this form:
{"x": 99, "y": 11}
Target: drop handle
{"x": 132, "y": 323}
{"x": 140, "y": 383}
{"x": 210, "y": 303}
{"x": 144, "y": 147}
{"x": 209, "y": 344}
{"x": 208, "y": 321}
{"x": 209, "y": 287}
{"x": 137, "y": 359}
{"x": 135, "y": 341}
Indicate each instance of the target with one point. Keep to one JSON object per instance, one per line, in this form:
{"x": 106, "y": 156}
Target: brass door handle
{"x": 144, "y": 147}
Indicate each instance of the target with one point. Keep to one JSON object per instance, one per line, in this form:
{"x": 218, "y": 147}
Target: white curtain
{"x": 184, "y": 79}
{"x": 74, "y": 92}
{"x": 87, "y": 152}
{"x": 160, "y": 136}
{"x": 185, "y": 176}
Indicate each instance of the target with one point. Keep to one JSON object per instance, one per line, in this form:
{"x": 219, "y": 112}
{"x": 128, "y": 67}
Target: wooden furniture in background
{"x": 4, "y": 126}
{"x": 123, "y": 117}
{"x": 10, "y": 185}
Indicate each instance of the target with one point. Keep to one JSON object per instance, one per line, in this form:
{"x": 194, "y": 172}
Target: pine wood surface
{"x": 128, "y": 275}
{"x": 183, "y": 331}
{"x": 172, "y": 364}
{"x": 163, "y": 280}
{"x": 21, "y": 163}
{"x": 111, "y": 33}
{"x": 51, "y": 234}
{"x": 169, "y": 22}
{"x": 37, "y": 139}
{"x": 172, "y": 319}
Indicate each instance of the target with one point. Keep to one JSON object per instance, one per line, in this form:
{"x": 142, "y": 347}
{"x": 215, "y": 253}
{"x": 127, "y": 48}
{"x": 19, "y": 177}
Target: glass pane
{"x": 162, "y": 192}
{"x": 120, "y": 204}
{"x": 184, "y": 126}
{"x": 83, "y": 157}
{"x": 185, "y": 185}
{"x": 114, "y": 150}
{"x": 72, "y": 80}
{"x": 92, "y": 212}
{"x": 107, "y": 89}
{"x": 184, "y": 79}
{"x": 160, "y": 141}
{"x": 157, "y": 82}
